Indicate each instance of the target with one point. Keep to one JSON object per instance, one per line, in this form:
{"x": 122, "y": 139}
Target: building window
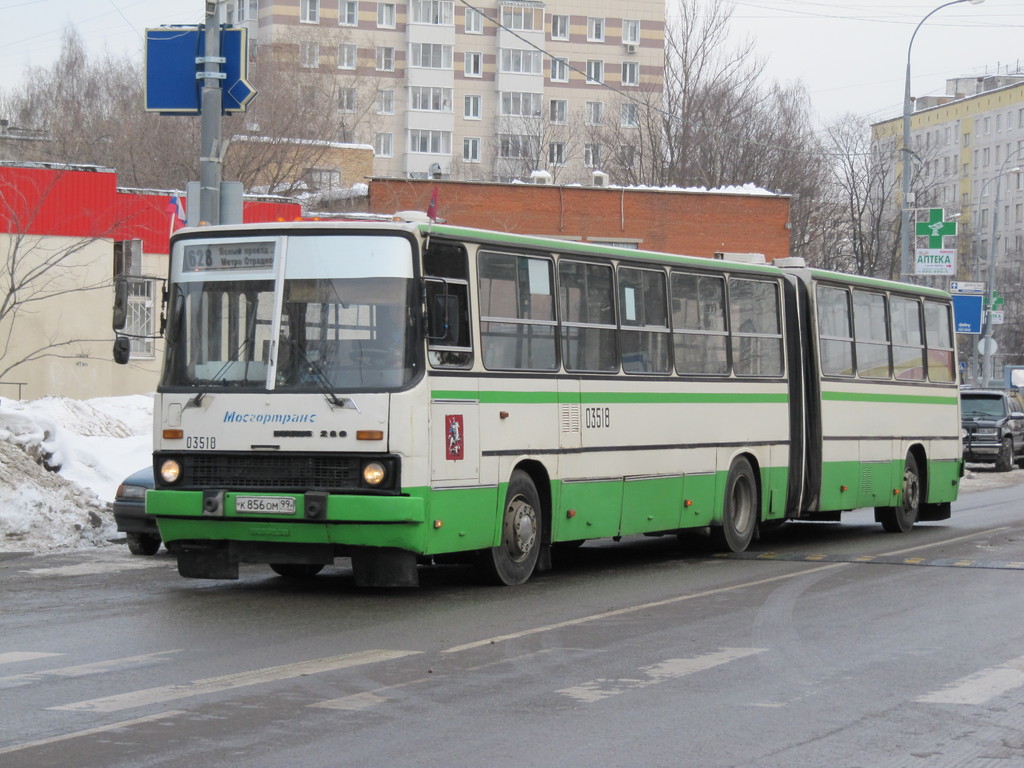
{"x": 631, "y": 31}
{"x": 426, "y": 98}
{"x": 595, "y": 71}
{"x": 559, "y": 27}
{"x": 383, "y": 145}
{"x": 471, "y": 149}
{"x": 386, "y": 102}
{"x": 385, "y": 58}
{"x": 595, "y": 29}
{"x": 140, "y": 317}
{"x": 309, "y": 54}
{"x": 556, "y": 153}
{"x": 630, "y": 73}
{"x": 520, "y": 104}
{"x": 474, "y": 64}
{"x": 627, "y": 156}
{"x": 559, "y": 71}
{"x": 441, "y": 12}
{"x": 518, "y": 147}
{"x": 594, "y": 112}
{"x": 474, "y": 22}
{"x": 628, "y": 115}
{"x": 520, "y": 19}
{"x": 348, "y": 56}
{"x": 309, "y": 11}
{"x": 471, "y": 110}
{"x": 559, "y": 111}
{"x": 248, "y": 10}
{"x": 430, "y": 142}
{"x": 523, "y": 62}
{"x": 592, "y": 155}
{"x": 347, "y": 99}
{"x": 348, "y": 13}
{"x": 430, "y": 55}
{"x": 386, "y": 15}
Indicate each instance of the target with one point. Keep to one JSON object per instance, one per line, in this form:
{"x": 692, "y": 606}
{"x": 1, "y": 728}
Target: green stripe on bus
{"x": 869, "y": 397}
{"x": 537, "y": 398}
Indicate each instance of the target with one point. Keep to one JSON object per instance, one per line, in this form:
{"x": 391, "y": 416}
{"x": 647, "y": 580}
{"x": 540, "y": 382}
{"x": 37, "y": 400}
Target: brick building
{"x": 691, "y": 222}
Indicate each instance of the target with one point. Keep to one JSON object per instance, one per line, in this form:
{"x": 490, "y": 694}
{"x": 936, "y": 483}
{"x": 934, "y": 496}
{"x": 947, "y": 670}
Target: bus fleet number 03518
{"x": 597, "y": 418}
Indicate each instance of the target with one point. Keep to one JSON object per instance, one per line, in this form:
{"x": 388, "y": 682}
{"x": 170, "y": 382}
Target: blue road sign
{"x": 171, "y": 83}
{"x": 967, "y": 312}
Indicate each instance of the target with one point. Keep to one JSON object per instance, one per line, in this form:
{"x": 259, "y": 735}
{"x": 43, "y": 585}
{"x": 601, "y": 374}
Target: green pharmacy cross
{"x": 935, "y": 228}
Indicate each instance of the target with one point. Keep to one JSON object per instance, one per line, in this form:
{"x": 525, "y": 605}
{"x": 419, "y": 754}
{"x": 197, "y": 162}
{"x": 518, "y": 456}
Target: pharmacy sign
{"x": 935, "y": 260}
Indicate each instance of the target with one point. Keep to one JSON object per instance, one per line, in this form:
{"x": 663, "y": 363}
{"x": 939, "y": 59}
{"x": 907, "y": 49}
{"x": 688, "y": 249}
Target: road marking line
{"x": 88, "y": 732}
{"x": 981, "y": 686}
{"x": 670, "y": 669}
{"x": 696, "y": 595}
{"x": 81, "y": 670}
{"x": 14, "y": 656}
{"x": 230, "y": 682}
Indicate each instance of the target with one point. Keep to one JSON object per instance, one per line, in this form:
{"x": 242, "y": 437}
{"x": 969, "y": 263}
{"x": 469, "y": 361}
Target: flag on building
{"x": 176, "y": 211}
{"x": 432, "y": 208}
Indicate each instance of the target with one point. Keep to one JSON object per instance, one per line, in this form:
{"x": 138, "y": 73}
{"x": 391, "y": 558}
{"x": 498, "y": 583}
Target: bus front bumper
{"x": 325, "y": 519}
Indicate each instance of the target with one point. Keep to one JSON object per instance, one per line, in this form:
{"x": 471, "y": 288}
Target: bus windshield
{"x": 297, "y": 313}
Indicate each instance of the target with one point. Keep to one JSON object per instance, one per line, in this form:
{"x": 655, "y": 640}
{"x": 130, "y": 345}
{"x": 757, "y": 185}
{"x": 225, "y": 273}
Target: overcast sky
{"x": 850, "y": 55}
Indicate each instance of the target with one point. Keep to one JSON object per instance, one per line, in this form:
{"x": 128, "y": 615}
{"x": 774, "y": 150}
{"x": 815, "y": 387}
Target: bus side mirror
{"x": 120, "y": 303}
{"x": 122, "y": 349}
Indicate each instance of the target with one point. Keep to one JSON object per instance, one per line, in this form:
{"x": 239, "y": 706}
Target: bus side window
{"x": 448, "y": 336}
{"x": 446, "y": 278}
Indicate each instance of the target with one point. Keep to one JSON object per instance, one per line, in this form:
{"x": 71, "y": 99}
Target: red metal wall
{"x": 87, "y": 204}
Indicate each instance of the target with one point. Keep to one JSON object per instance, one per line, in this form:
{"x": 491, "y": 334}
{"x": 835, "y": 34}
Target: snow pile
{"x": 61, "y": 461}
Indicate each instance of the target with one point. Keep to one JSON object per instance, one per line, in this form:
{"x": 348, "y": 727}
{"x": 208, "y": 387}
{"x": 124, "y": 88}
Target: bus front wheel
{"x": 900, "y": 519}
{"x": 513, "y": 560}
{"x": 739, "y": 509}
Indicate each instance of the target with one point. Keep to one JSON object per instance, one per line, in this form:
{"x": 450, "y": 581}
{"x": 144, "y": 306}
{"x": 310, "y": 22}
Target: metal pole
{"x": 986, "y": 352}
{"x": 905, "y": 235}
{"x": 210, "y": 111}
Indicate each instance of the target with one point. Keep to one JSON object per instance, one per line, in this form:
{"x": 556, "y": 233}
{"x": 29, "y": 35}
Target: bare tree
{"x": 36, "y": 271}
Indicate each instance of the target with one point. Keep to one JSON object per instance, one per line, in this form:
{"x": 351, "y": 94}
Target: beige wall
{"x": 82, "y": 368}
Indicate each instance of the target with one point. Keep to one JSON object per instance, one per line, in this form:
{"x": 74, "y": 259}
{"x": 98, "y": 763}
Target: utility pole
{"x": 211, "y": 102}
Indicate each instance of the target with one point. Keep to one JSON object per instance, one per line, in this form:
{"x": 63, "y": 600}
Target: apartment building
{"x": 495, "y": 90}
{"x": 969, "y": 155}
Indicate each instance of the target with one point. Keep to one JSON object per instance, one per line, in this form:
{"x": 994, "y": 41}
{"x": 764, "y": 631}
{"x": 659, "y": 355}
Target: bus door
{"x": 804, "y": 397}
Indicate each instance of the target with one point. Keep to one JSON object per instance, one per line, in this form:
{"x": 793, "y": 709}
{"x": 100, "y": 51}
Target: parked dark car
{"x": 130, "y": 513}
{"x": 993, "y": 427}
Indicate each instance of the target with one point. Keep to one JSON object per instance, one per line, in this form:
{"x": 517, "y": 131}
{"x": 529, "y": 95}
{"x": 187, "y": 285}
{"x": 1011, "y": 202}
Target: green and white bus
{"x": 396, "y": 391}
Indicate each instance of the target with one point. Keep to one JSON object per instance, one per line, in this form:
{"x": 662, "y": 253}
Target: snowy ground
{"x": 97, "y": 443}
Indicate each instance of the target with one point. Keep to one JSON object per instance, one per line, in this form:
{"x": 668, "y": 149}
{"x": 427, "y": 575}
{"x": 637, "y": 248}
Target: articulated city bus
{"x": 396, "y": 391}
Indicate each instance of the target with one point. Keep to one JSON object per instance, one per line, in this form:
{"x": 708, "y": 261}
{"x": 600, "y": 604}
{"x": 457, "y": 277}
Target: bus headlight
{"x": 170, "y": 471}
{"x": 373, "y": 473}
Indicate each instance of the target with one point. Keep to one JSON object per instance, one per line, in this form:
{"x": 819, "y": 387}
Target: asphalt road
{"x": 826, "y": 644}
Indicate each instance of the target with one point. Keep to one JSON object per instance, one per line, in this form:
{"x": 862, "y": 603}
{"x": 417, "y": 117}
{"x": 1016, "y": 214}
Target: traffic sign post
{"x": 968, "y": 312}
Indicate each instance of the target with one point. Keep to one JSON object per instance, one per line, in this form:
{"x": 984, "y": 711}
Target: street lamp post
{"x": 907, "y": 112}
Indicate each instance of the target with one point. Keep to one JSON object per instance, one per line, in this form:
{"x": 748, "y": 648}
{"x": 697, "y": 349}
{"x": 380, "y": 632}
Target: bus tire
{"x": 901, "y": 519}
{"x": 513, "y": 560}
{"x": 739, "y": 509}
{"x": 297, "y": 571}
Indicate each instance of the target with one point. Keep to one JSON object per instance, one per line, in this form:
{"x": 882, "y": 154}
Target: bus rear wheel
{"x": 513, "y": 560}
{"x": 739, "y": 509}
{"x": 901, "y": 519}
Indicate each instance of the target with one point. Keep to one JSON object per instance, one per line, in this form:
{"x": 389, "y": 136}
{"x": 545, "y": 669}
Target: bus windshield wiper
{"x": 323, "y": 383}
{"x": 217, "y": 377}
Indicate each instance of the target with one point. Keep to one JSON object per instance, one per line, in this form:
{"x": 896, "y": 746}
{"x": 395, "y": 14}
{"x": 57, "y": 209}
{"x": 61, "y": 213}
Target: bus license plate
{"x": 271, "y": 505}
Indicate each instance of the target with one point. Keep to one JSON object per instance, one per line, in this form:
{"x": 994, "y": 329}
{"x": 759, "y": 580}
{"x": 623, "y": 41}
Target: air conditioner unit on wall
{"x": 630, "y": 47}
